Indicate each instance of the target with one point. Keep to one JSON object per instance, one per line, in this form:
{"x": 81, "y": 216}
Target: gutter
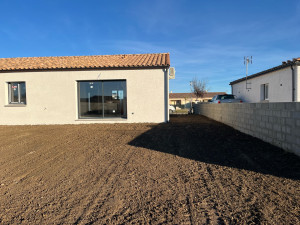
{"x": 84, "y": 69}
{"x": 166, "y": 86}
{"x": 293, "y": 83}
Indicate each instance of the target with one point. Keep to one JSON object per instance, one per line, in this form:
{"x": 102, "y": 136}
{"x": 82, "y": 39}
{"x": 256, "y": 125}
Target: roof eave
{"x": 90, "y": 68}
{"x": 265, "y": 72}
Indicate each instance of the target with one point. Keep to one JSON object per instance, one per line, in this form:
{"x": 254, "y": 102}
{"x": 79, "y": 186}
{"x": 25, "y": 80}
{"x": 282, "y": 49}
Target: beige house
{"x": 85, "y": 89}
{"x": 183, "y": 100}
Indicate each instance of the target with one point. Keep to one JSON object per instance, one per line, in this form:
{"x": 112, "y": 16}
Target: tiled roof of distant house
{"x": 188, "y": 95}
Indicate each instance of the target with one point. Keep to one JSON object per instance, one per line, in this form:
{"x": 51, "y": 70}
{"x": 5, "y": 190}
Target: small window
{"x": 16, "y": 93}
{"x": 265, "y": 90}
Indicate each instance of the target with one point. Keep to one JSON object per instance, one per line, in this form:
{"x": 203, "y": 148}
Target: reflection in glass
{"x": 90, "y": 99}
{"x": 14, "y": 92}
{"x": 17, "y": 92}
{"x": 22, "y": 92}
{"x": 114, "y": 104}
{"x": 102, "y": 99}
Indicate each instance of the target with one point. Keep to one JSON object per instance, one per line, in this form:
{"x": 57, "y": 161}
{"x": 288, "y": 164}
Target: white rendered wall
{"x": 280, "y": 87}
{"x": 52, "y": 96}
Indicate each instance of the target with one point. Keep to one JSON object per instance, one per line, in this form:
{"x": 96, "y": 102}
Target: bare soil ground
{"x": 192, "y": 170}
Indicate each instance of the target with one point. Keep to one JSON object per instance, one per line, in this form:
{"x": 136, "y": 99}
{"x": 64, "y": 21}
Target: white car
{"x": 225, "y": 99}
{"x": 171, "y": 109}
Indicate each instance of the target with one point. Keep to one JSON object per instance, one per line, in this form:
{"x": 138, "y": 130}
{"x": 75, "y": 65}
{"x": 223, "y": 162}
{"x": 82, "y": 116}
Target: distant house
{"x": 278, "y": 84}
{"x": 183, "y": 100}
{"x": 85, "y": 89}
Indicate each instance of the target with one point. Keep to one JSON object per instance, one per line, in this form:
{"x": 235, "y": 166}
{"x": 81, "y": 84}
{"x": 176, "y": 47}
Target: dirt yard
{"x": 190, "y": 171}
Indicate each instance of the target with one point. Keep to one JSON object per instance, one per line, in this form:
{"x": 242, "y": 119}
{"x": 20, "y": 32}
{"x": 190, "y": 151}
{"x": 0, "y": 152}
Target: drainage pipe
{"x": 293, "y": 83}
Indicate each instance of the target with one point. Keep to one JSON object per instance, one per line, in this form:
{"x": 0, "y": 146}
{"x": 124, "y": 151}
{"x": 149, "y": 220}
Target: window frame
{"x": 103, "y": 113}
{"x": 19, "y": 102}
{"x": 265, "y": 91}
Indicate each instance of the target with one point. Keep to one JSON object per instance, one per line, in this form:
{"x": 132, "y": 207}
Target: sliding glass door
{"x": 102, "y": 99}
{"x": 90, "y": 102}
{"x": 113, "y": 93}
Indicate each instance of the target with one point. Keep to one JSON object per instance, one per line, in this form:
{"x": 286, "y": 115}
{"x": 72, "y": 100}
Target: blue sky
{"x": 206, "y": 39}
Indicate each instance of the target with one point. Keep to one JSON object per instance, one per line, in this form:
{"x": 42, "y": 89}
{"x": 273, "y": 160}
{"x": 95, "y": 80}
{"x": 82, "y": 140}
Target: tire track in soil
{"x": 215, "y": 186}
{"x": 50, "y": 156}
{"x": 23, "y": 179}
{"x": 92, "y": 197}
{"x": 206, "y": 178}
{"x": 93, "y": 206}
{"x": 208, "y": 204}
{"x": 184, "y": 176}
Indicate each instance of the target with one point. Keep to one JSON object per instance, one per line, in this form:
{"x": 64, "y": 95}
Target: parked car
{"x": 225, "y": 99}
{"x": 171, "y": 109}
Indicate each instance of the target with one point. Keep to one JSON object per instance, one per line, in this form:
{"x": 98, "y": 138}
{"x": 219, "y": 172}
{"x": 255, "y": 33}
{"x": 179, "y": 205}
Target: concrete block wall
{"x": 275, "y": 123}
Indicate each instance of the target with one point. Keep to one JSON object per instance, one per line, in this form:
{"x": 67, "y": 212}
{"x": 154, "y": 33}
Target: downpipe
{"x": 293, "y": 83}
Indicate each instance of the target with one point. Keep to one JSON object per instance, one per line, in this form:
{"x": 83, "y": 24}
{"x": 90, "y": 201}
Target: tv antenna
{"x": 247, "y": 60}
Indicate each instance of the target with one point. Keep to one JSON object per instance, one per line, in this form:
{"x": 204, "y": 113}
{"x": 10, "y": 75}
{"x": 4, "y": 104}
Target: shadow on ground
{"x": 202, "y": 139}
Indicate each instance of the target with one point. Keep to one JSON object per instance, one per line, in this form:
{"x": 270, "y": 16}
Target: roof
{"x": 86, "y": 62}
{"x": 188, "y": 95}
{"x": 283, "y": 65}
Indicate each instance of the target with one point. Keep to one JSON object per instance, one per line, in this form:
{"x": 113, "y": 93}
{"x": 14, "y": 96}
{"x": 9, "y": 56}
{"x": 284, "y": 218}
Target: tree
{"x": 199, "y": 87}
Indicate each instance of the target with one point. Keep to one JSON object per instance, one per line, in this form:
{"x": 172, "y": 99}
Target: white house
{"x": 84, "y": 89}
{"x": 278, "y": 84}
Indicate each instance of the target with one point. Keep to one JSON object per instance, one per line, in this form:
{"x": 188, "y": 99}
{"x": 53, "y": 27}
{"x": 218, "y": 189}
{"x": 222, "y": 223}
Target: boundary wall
{"x": 275, "y": 123}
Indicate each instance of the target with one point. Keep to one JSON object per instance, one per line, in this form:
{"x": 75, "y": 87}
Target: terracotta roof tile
{"x": 159, "y": 59}
{"x": 188, "y": 95}
{"x": 86, "y": 62}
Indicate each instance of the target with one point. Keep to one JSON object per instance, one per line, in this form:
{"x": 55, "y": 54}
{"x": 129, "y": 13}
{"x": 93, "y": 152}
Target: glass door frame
{"x": 102, "y": 82}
